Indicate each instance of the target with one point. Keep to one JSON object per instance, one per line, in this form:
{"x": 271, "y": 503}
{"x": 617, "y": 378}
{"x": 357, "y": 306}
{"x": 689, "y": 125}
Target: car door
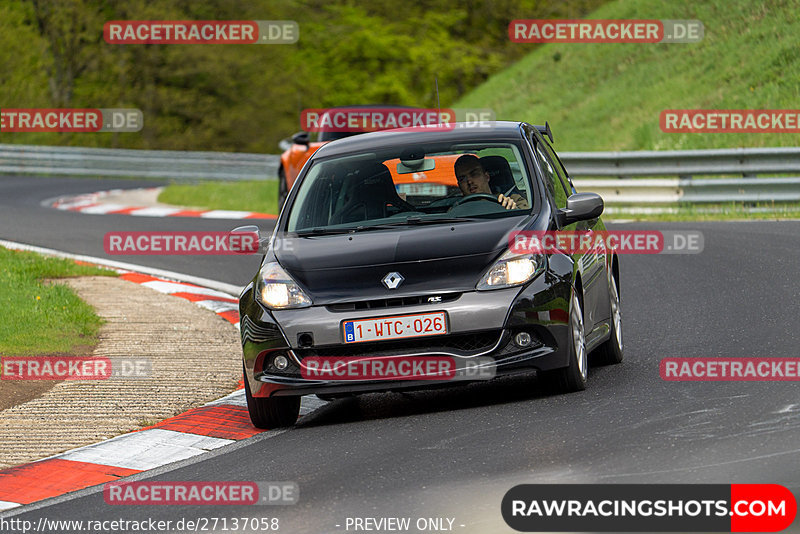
{"x": 592, "y": 262}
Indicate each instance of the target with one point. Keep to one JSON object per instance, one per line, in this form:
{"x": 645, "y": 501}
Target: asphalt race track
{"x": 23, "y": 218}
{"x": 454, "y": 453}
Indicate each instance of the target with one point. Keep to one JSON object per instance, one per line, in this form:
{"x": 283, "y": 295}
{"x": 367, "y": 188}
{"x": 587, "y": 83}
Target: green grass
{"x": 260, "y": 196}
{"x": 39, "y": 318}
{"x": 609, "y": 96}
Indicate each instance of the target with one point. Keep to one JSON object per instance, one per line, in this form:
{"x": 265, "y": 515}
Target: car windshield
{"x": 410, "y": 185}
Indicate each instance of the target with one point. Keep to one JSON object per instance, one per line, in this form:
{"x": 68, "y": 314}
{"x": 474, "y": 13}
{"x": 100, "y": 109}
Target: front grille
{"x": 396, "y": 302}
{"x": 458, "y": 344}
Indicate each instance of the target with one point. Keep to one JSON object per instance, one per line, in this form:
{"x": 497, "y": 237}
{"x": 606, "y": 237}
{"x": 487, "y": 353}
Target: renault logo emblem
{"x": 392, "y": 280}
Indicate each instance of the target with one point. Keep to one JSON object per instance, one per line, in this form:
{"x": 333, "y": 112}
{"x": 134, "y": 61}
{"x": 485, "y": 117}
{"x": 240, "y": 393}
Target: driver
{"x": 473, "y": 179}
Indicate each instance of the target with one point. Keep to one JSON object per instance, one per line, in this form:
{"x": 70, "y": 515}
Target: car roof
{"x": 497, "y": 130}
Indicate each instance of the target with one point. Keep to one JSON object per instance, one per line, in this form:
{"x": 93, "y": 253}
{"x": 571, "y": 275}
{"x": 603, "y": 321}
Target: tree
{"x": 72, "y": 29}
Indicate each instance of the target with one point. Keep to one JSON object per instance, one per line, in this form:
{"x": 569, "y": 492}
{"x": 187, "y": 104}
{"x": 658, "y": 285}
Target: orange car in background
{"x": 294, "y": 157}
{"x": 302, "y": 147}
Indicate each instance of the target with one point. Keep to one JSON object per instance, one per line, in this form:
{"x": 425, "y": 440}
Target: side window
{"x": 553, "y": 181}
{"x": 559, "y": 168}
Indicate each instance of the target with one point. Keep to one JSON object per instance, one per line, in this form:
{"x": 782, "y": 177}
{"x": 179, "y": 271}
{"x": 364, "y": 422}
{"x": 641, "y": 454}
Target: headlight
{"x": 511, "y": 269}
{"x": 276, "y": 289}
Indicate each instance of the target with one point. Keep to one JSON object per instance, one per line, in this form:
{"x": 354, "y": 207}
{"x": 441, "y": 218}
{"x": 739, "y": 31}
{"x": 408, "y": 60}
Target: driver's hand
{"x": 507, "y": 202}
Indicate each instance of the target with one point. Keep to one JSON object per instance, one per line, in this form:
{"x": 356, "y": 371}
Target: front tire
{"x": 573, "y": 377}
{"x": 271, "y": 412}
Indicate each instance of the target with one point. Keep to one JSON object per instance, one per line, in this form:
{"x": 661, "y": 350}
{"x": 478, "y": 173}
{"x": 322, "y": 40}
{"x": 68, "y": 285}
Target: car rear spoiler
{"x": 545, "y": 130}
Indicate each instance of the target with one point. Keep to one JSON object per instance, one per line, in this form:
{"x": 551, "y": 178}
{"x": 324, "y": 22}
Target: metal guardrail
{"x": 585, "y": 167}
{"x": 685, "y": 165}
{"x": 746, "y": 162}
{"x": 171, "y": 164}
{"x": 682, "y": 190}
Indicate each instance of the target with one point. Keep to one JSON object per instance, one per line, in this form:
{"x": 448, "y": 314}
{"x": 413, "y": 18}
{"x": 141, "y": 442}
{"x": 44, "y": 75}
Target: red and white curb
{"x": 187, "y": 435}
{"x": 92, "y": 203}
{"x": 220, "y": 303}
{"x": 192, "y": 433}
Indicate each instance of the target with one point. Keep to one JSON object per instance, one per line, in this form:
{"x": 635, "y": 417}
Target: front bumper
{"x": 482, "y": 324}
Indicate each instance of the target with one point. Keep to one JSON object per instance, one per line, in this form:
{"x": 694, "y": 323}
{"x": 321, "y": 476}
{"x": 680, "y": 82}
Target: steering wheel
{"x": 475, "y": 196}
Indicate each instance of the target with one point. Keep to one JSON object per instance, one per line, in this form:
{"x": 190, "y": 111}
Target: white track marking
{"x": 235, "y": 399}
{"x": 146, "y": 449}
{"x": 225, "y": 214}
{"x": 102, "y": 209}
{"x": 153, "y": 212}
{"x": 218, "y": 306}
{"x": 174, "y": 287}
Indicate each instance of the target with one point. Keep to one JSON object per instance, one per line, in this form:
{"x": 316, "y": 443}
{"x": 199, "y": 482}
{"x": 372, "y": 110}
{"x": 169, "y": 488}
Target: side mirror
{"x": 247, "y": 240}
{"x": 582, "y": 207}
{"x": 301, "y": 138}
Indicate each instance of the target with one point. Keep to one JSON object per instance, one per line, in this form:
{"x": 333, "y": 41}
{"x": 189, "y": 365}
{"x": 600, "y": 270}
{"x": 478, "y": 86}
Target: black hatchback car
{"x": 391, "y": 267}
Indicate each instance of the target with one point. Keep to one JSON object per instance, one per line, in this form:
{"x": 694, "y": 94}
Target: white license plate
{"x": 397, "y": 327}
{"x": 430, "y": 190}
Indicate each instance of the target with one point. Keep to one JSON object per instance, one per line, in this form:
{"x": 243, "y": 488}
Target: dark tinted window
{"x": 553, "y": 181}
{"x": 559, "y": 169}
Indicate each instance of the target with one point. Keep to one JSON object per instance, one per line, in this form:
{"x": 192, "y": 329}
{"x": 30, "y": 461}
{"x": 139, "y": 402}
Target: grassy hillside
{"x": 609, "y": 96}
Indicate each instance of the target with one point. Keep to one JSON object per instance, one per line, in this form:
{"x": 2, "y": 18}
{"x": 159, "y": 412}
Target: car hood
{"x": 432, "y": 259}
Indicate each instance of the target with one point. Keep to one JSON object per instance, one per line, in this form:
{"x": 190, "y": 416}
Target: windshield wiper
{"x": 323, "y": 231}
{"x": 411, "y": 221}
{"x": 439, "y": 220}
